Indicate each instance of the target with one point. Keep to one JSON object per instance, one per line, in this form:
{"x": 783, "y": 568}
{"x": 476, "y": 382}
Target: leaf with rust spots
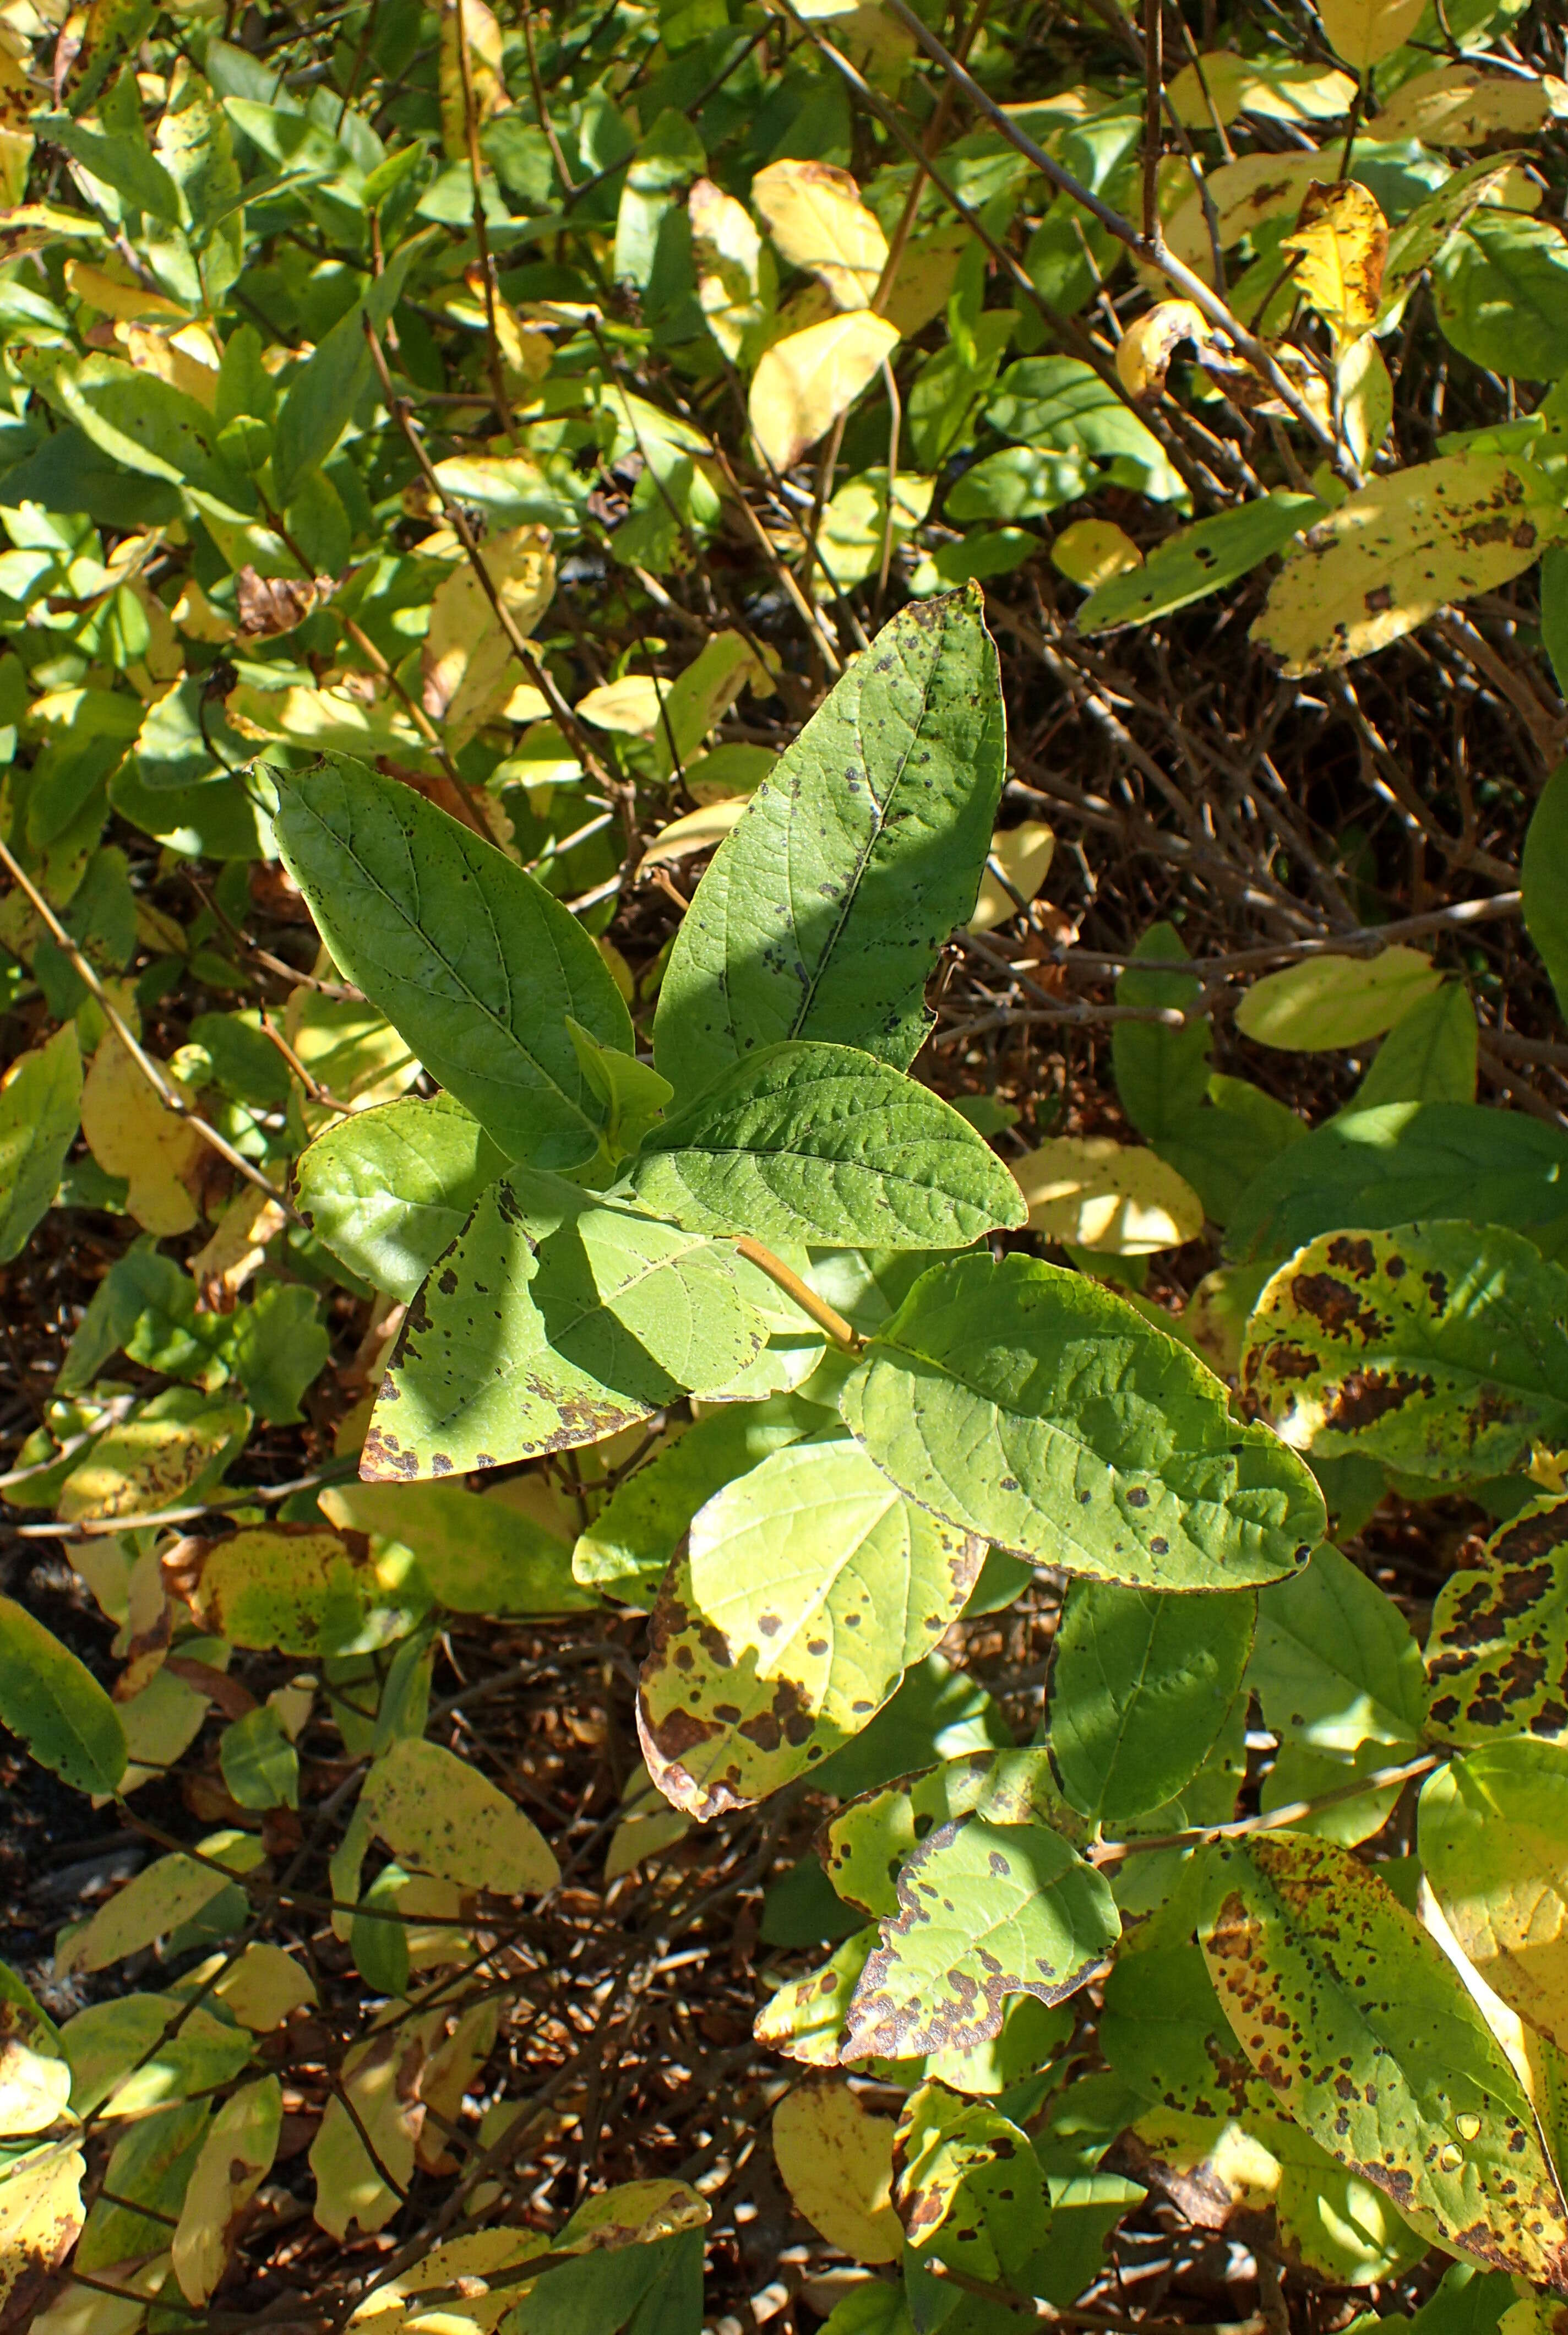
{"x": 969, "y": 2188}
{"x": 837, "y": 2162}
{"x": 41, "y": 2215}
{"x": 1440, "y": 1349}
{"x": 557, "y": 1317}
{"x": 296, "y": 1589}
{"x": 380, "y": 2078}
{"x": 805, "y": 2019}
{"x": 441, "y": 1816}
{"x": 1364, "y": 2032}
{"x": 807, "y": 1589}
{"x": 1494, "y": 1842}
{"x": 1497, "y": 1654}
{"x": 1339, "y": 244}
{"x": 1392, "y": 554}
{"x": 172, "y": 1449}
{"x": 985, "y": 1910}
{"x": 1027, "y": 1404}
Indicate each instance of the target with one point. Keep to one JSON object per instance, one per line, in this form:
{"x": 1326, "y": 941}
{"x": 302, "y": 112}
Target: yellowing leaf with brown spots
{"x": 1464, "y": 105}
{"x": 813, "y": 214}
{"x": 969, "y": 2188}
{"x": 1395, "y": 553}
{"x": 441, "y": 1816}
{"x": 1438, "y": 1348}
{"x": 381, "y": 2076}
{"x": 467, "y": 661}
{"x": 1493, "y": 1842}
{"x": 150, "y": 1460}
{"x": 808, "y": 1587}
{"x": 1144, "y": 353}
{"x": 41, "y": 2219}
{"x": 1498, "y": 1655}
{"x": 1364, "y": 2032}
{"x": 130, "y": 1133}
{"x": 1339, "y": 244}
{"x": 1244, "y": 195}
{"x": 836, "y": 2161}
{"x": 804, "y": 383}
{"x": 399, "y": 2308}
{"x": 234, "y": 2160}
{"x": 1095, "y": 1193}
{"x": 296, "y": 1589}
{"x": 985, "y": 1910}
{"x": 1362, "y": 31}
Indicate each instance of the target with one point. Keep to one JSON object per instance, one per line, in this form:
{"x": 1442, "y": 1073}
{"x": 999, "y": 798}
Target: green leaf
{"x": 1062, "y": 405}
{"x": 260, "y": 1765}
{"x": 823, "y": 911}
{"x": 1326, "y": 1003}
{"x": 628, "y": 1547}
{"x": 1366, "y": 2034}
{"x": 869, "y": 1840}
{"x": 822, "y": 1143}
{"x": 1140, "y": 1683}
{"x": 143, "y": 423}
{"x": 1199, "y": 559}
{"x": 1501, "y": 295}
{"x": 1029, "y": 1405}
{"x": 1429, "y": 1056}
{"x": 556, "y": 1318}
{"x": 276, "y": 1347}
{"x": 53, "y": 1702}
{"x": 124, "y": 2060}
{"x": 388, "y": 1189}
{"x": 1498, "y": 1655}
{"x": 985, "y": 1910}
{"x": 809, "y": 1586}
{"x": 40, "y": 1111}
{"x": 479, "y": 1555}
{"x": 121, "y": 159}
{"x": 1403, "y": 1162}
{"x": 1544, "y": 873}
{"x": 324, "y": 392}
{"x": 969, "y": 2189}
{"x": 1440, "y": 1348}
{"x": 1162, "y": 1074}
{"x": 472, "y": 961}
{"x": 1334, "y": 1664}
{"x": 1494, "y": 1847}
{"x": 633, "y": 1092}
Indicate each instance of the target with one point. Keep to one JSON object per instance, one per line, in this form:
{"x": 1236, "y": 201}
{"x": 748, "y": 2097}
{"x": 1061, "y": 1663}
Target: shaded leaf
{"x": 478, "y": 1555}
{"x": 1025, "y": 1404}
{"x": 1497, "y": 1654}
{"x": 53, "y": 1702}
{"x": 40, "y": 1109}
{"x": 1544, "y": 873}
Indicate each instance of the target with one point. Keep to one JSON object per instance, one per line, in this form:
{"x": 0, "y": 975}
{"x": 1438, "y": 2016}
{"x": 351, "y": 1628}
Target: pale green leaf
{"x": 555, "y": 1319}
{"x": 809, "y": 1586}
{"x": 479, "y": 1555}
{"x": 1429, "y": 1056}
{"x": 438, "y": 1814}
{"x": 1334, "y": 1664}
{"x": 812, "y": 1142}
{"x": 40, "y": 1111}
{"x": 1329, "y": 1002}
{"x": 627, "y": 1548}
{"x": 388, "y": 1189}
{"x": 1029, "y": 1405}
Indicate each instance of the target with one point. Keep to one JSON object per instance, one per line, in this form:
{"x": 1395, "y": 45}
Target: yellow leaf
{"x": 187, "y": 359}
{"x": 382, "y": 2078}
{"x": 804, "y": 383}
{"x": 40, "y": 2220}
{"x": 1281, "y": 92}
{"x": 1462, "y": 105}
{"x": 1395, "y": 552}
{"x": 262, "y": 1988}
{"x": 850, "y": 538}
{"x": 1339, "y": 244}
{"x": 634, "y": 2214}
{"x": 1362, "y": 31}
{"x": 234, "y": 2160}
{"x": 1329, "y": 1002}
{"x": 169, "y": 1892}
{"x": 1246, "y": 195}
{"x": 468, "y": 660}
{"x": 451, "y": 2069}
{"x": 630, "y": 705}
{"x": 1095, "y": 1194}
{"x": 123, "y": 299}
{"x": 1366, "y": 397}
{"x": 697, "y": 830}
{"x": 34, "y": 2091}
{"x": 1023, "y": 854}
{"x": 837, "y": 2162}
{"x": 1144, "y": 353}
{"x": 817, "y": 220}
{"x": 438, "y": 1814}
{"x": 727, "y": 251}
{"x": 358, "y": 718}
{"x": 394, "y": 2308}
{"x": 237, "y": 1248}
{"x": 130, "y": 1133}
{"x": 485, "y": 48}
{"x": 924, "y": 276}
{"x": 1092, "y": 550}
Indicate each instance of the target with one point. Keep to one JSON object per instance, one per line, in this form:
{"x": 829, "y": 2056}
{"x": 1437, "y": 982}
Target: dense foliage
{"x": 474, "y": 1289}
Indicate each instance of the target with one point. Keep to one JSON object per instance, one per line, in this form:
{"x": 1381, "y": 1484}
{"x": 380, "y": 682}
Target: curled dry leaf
{"x": 1144, "y": 353}
{"x": 271, "y": 605}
